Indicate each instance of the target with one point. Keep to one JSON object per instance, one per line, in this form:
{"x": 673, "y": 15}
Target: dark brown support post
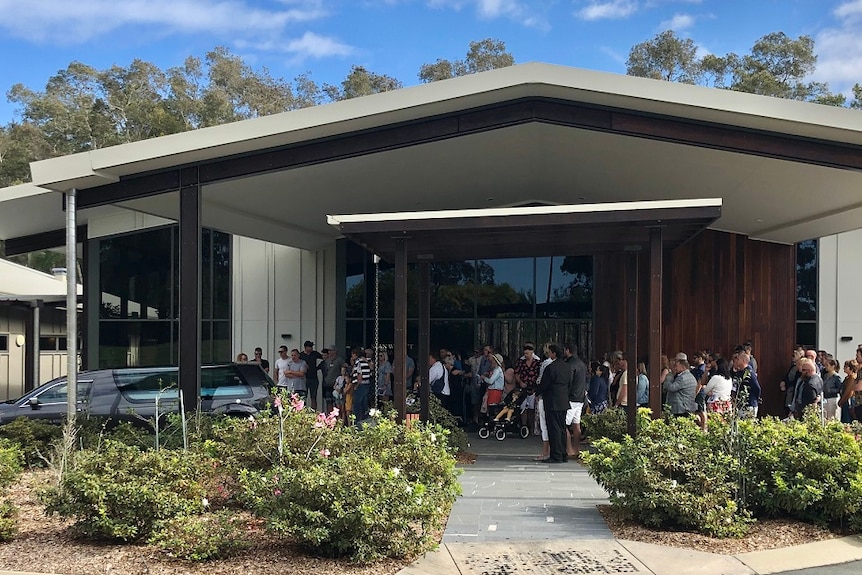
{"x": 401, "y": 383}
{"x": 424, "y": 336}
{"x": 190, "y": 290}
{"x": 632, "y": 339}
{"x": 655, "y": 313}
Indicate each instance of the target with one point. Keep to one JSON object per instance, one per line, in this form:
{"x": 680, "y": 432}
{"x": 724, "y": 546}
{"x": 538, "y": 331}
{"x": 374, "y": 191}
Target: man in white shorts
{"x": 577, "y": 396}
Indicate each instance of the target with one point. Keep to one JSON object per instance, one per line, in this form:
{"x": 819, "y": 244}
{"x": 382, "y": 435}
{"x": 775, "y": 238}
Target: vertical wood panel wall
{"x": 719, "y": 290}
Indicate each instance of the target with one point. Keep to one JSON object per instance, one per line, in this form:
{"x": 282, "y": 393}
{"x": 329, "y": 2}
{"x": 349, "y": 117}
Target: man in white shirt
{"x": 436, "y": 371}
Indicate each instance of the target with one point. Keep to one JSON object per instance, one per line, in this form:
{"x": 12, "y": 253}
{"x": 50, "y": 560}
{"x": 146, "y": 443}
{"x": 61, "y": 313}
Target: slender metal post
{"x": 33, "y": 347}
{"x": 401, "y": 383}
{"x": 632, "y": 339}
{"x": 655, "y": 313}
{"x": 424, "y": 337}
{"x": 71, "y": 307}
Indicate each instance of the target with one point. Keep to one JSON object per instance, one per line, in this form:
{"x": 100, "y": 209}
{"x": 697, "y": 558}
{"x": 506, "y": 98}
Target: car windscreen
{"x": 253, "y": 374}
{"x": 224, "y": 381}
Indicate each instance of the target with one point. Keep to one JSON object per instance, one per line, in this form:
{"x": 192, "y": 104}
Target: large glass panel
{"x": 387, "y": 290}
{"x": 506, "y": 288}
{"x": 355, "y": 280}
{"x": 806, "y": 333}
{"x": 806, "y": 280}
{"x": 355, "y": 333}
{"x": 221, "y": 342}
{"x": 453, "y": 289}
{"x": 221, "y": 275}
{"x": 564, "y": 287}
{"x": 562, "y": 332}
{"x": 136, "y": 275}
{"x": 453, "y": 335}
{"x": 206, "y": 275}
{"x": 135, "y": 343}
{"x": 506, "y": 336}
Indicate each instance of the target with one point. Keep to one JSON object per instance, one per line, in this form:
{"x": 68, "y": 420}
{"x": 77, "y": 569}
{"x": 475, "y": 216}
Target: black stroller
{"x": 510, "y": 422}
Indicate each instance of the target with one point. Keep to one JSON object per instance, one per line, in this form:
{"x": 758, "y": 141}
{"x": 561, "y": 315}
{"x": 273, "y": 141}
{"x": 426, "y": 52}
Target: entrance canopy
{"x": 532, "y": 231}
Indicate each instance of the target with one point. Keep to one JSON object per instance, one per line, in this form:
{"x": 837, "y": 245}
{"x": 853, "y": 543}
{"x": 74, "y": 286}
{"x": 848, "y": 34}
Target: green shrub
{"x": 11, "y": 463}
{"x": 383, "y": 491}
{"x": 121, "y": 492}
{"x": 802, "y": 469}
{"x": 438, "y": 415}
{"x": 35, "y": 438}
{"x": 612, "y": 423}
{"x": 672, "y": 476}
{"x": 8, "y": 521}
{"x": 203, "y": 537}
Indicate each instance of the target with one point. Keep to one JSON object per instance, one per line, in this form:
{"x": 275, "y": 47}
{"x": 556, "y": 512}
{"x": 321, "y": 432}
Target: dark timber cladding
{"x": 190, "y": 290}
{"x": 731, "y": 289}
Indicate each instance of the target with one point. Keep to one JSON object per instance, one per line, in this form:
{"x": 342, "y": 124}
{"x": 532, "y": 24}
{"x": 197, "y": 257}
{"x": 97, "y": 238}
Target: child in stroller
{"x": 505, "y": 417}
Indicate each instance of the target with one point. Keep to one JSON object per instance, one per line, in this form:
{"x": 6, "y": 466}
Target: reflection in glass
{"x": 506, "y": 288}
{"x": 134, "y": 343}
{"x": 453, "y": 289}
{"x": 136, "y": 272}
{"x": 806, "y": 280}
{"x": 564, "y": 286}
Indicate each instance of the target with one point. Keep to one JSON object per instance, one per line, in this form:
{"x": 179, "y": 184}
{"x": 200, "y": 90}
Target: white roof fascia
{"x": 533, "y": 79}
{"x": 20, "y": 281}
{"x": 336, "y": 220}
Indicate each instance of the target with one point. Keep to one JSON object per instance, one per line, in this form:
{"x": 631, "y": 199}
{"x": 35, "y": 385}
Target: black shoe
{"x": 555, "y": 460}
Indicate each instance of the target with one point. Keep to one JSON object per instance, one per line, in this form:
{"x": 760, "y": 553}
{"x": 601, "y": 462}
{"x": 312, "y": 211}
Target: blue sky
{"x": 395, "y": 37}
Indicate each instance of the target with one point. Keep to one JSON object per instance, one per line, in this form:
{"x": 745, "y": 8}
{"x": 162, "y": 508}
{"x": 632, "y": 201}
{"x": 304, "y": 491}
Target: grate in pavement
{"x": 538, "y": 562}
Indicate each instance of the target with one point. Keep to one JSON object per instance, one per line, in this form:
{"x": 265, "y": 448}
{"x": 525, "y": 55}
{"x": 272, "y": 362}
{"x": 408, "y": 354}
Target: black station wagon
{"x": 130, "y": 394}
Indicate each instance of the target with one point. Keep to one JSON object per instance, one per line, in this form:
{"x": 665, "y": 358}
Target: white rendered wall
{"x": 839, "y": 305}
{"x": 280, "y": 291}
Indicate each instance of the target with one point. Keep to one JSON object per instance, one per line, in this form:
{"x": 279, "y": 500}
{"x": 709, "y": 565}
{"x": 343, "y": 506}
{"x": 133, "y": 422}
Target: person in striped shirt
{"x": 361, "y": 376}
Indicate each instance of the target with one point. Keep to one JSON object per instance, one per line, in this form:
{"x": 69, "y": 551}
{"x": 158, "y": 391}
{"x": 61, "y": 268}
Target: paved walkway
{"x": 517, "y": 516}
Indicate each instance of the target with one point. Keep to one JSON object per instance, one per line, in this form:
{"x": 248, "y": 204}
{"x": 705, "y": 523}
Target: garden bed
{"x": 763, "y": 535}
{"x": 44, "y": 545}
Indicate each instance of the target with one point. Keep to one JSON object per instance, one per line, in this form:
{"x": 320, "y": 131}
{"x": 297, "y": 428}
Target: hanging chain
{"x": 376, "y": 313}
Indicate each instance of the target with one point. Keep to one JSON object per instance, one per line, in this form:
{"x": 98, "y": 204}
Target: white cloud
{"x": 64, "y": 21}
{"x": 316, "y": 46}
{"x": 525, "y": 13}
{"x": 839, "y": 49}
{"x": 678, "y": 22}
{"x": 612, "y": 10}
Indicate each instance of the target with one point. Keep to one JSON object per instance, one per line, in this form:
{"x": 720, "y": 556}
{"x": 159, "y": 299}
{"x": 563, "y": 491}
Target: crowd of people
{"x": 691, "y": 387}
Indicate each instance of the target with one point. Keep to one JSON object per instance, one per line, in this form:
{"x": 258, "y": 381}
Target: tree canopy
{"x": 777, "y": 66}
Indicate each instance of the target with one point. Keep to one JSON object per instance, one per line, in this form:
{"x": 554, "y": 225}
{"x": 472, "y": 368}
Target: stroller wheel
{"x": 500, "y": 434}
{"x": 525, "y": 432}
{"x": 484, "y": 432}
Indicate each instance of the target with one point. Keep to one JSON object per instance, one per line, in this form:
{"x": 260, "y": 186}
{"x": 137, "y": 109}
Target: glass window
{"x": 564, "y": 287}
{"x": 48, "y": 343}
{"x": 135, "y": 343}
{"x": 806, "y": 280}
{"x": 221, "y": 281}
{"x": 136, "y": 274}
{"x": 453, "y": 335}
{"x": 60, "y": 393}
{"x": 355, "y": 280}
{"x": 4, "y": 342}
{"x": 806, "y": 333}
{"x": 206, "y": 275}
{"x": 145, "y": 385}
{"x": 453, "y": 289}
{"x": 506, "y": 288}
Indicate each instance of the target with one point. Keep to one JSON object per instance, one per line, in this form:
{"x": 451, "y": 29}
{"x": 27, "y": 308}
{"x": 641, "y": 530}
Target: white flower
{"x": 433, "y": 437}
{"x": 409, "y": 489}
{"x": 673, "y": 483}
{"x": 206, "y": 502}
{"x": 396, "y": 472}
{"x": 373, "y": 412}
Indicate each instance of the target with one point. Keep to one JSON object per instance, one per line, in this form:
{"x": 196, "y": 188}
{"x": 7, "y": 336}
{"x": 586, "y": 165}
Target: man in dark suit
{"x": 554, "y": 387}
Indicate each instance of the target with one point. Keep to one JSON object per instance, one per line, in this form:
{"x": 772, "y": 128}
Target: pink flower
{"x": 296, "y": 403}
{"x": 324, "y": 453}
{"x": 334, "y": 413}
{"x": 276, "y": 492}
{"x": 277, "y": 403}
